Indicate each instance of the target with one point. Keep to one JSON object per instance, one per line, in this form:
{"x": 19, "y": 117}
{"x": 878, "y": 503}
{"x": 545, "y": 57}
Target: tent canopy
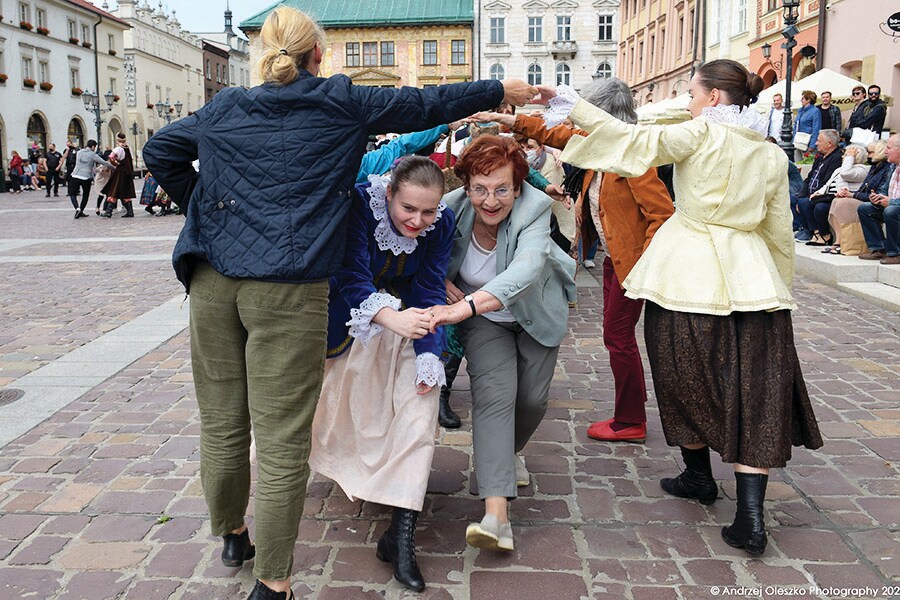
{"x": 823, "y": 80}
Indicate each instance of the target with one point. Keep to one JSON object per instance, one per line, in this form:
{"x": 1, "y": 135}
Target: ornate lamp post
{"x": 92, "y": 105}
{"x": 163, "y": 111}
{"x": 791, "y": 16}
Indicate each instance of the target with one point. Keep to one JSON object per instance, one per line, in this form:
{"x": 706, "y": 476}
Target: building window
{"x": 231, "y": 79}
{"x": 370, "y": 54}
{"x": 498, "y": 30}
{"x": 652, "y": 61}
{"x": 740, "y": 23}
{"x": 387, "y": 54}
{"x": 563, "y": 74}
{"x": 41, "y": 15}
{"x": 147, "y": 92}
{"x": 680, "y": 48}
{"x": 563, "y": 29}
{"x": 458, "y": 52}
{"x": 27, "y": 69}
{"x": 604, "y": 71}
{"x": 640, "y": 58}
{"x": 73, "y": 30}
{"x": 113, "y": 87}
{"x": 497, "y": 71}
{"x": 429, "y": 52}
{"x": 606, "y": 28}
{"x": 73, "y": 78}
{"x": 208, "y": 70}
{"x": 44, "y": 71}
{"x": 772, "y": 5}
{"x": 535, "y": 29}
{"x": 75, "y": 133}
{"x": 535, "y": 75}
{"x": 24, "y": 12}
{"x": 85, "y": 35}
{"x": 352, "y": 58}
{"x": 111, "y": 42}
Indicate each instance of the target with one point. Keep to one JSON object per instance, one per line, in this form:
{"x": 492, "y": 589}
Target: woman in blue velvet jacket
{"x": 373, "y": 432}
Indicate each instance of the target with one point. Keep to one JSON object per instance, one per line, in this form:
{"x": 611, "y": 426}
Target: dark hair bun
{"x": 755, "y": 84}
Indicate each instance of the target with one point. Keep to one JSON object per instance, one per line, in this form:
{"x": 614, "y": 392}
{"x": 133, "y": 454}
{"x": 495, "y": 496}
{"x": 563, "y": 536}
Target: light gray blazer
{"x": 84, "y": 164}
{"x": 535, "y": 279}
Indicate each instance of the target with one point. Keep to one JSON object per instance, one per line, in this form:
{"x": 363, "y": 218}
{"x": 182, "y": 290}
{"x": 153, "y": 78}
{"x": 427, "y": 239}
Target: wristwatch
{"x": 468, "y": 298}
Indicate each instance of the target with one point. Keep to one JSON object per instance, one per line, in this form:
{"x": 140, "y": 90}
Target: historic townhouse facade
{"x": 51, "y": 51}
{"x": 547, "y": 41}
{"x": 238, "y": 50}
{"x": 406, "y": 42}
{"x": 162, "y": 67}
{"x": 661, "y": 42}
{"x": 730, "y": 26}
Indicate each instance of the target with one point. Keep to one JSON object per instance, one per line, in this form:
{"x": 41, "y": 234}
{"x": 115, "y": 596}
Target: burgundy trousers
{"x": 620, "y": 317}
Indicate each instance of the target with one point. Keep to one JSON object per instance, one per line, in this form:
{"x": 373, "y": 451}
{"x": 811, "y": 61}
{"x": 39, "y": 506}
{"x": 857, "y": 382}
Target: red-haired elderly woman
{"x": 509, "y": 287}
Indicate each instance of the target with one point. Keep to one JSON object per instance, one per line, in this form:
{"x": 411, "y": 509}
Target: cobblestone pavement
{"x": 102, "y": 500}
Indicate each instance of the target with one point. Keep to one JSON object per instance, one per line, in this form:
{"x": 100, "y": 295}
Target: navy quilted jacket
{"x": 278, "y": 166}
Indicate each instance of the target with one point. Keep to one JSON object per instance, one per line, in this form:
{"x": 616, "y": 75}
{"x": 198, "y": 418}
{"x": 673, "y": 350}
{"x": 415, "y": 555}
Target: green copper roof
{"x": 372, "y": 13}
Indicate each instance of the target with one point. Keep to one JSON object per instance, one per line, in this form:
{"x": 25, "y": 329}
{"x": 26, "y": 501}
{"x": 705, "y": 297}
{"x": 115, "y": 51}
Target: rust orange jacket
{"x": 631, "y": 209}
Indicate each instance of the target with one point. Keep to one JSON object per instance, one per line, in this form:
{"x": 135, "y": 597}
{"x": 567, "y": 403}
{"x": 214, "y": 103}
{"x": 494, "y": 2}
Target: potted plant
{"x": 3, "y": 77}
{"x": 86, "y": 44}
{"x": 46, "y": 86}
{"x": 77, "y": 91}
{"x": 74, "y": 40}
{"x": 116, "y": 98}
{"x": 28, "y": 82}
{"x": 43, "y": 31}
{"x": 26, "y": 25}
{"x": 150, "y": 106}
{"x": 112, "y": 52}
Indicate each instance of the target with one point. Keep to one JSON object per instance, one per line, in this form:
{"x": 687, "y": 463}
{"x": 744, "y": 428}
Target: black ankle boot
{"x": 696, "y": 481}
{"x": 398, "y": 547}
{"x": 262, "y": 592}
{"x": 108, "y": 209}
{"x": 749, "y": 528}
{"x": 237, "y": 549}
{"x": 446, "y": 417}
{"x": 129, "y": 211}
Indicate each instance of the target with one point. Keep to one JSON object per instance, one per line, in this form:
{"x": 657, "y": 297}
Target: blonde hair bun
{"x": 288, "y": 38}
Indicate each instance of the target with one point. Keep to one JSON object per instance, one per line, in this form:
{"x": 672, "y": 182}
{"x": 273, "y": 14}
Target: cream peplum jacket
{"x": 729, "y": 246}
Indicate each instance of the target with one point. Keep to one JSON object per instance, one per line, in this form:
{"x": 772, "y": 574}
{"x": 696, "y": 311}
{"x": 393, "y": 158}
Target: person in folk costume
{"x": 121, "y": 184}
{"x": 373, "y": 432}
{"x": 716, "y": 279}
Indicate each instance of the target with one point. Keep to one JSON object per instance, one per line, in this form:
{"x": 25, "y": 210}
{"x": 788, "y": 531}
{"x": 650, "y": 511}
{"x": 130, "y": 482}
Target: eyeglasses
{"x": 874, "y": 93}
{"x": 858, "y": 93}
{"x": 481, "y": 193}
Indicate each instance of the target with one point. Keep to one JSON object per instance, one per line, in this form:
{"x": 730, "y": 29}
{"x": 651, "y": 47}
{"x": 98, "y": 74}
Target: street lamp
{"x": 92, "y": 105}
{"x": 790, "y": 11}
{"x": 164, "y": 110}
{"x": 767, "y": 54}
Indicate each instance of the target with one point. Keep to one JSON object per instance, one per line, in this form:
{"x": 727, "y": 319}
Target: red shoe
{"x": 603, "y": 431}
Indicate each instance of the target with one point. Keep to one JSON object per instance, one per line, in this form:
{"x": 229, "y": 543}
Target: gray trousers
{"x": 258, "y": 356}
{"x": 510, "y": 374}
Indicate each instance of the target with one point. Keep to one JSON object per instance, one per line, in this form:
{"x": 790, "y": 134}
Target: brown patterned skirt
{"x": 732, "y": 382}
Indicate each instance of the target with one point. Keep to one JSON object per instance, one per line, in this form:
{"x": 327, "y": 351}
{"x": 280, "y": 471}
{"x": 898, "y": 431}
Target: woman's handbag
{"x": 801, "y": 141}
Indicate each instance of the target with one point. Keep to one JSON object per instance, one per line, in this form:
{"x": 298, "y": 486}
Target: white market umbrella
{"x": 823, "y": 80}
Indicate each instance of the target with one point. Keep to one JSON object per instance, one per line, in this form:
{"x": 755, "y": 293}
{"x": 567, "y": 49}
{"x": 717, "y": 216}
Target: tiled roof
{"x": 98, "y": 11}
{"x": 372, "y": 13}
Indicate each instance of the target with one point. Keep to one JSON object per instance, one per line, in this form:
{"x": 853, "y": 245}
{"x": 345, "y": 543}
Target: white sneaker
{"x": 505, "y": 539}
{"x": 589, "y": 264}
{"x": 522, "y": 476}
{"x": 490, "y": 534}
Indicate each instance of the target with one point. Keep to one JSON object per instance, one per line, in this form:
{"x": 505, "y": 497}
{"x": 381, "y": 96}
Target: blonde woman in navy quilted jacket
{"x": 266, "y": 221}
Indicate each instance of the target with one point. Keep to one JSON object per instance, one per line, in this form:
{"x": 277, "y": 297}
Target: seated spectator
{"x": 870, "y": 113}
{"x": 826, "y": 163}
{"x": 848, "y": 199}
{"x": 884, "y": 245}
{"x": 815, "y": 209}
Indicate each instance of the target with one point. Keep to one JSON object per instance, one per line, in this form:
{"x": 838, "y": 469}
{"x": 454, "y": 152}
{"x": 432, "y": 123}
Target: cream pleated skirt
{"x": 372, "y": 434}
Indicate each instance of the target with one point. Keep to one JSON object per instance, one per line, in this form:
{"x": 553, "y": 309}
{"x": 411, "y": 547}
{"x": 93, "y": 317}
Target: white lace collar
{"x": 385, "y": 235}
{"x": 732, "y": 114}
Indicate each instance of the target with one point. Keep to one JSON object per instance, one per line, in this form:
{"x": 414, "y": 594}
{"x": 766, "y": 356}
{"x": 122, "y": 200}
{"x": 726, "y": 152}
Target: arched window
{"x": 497, "y": 71}
{"x": 604, "y": 71}
{"x": 535, "y": 75}
{"x": 563, "y": 74}
{"x": 37, "y": 130}
{"x": 75, "y": 133}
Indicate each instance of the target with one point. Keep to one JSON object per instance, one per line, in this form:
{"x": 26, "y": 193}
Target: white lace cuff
{"x": 361, "y": 326}
{"x": 430, "y": 370}
{"x": 560, "y": 106}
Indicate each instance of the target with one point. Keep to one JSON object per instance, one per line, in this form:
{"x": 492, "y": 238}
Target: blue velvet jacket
{"x": 417, "y": 279}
